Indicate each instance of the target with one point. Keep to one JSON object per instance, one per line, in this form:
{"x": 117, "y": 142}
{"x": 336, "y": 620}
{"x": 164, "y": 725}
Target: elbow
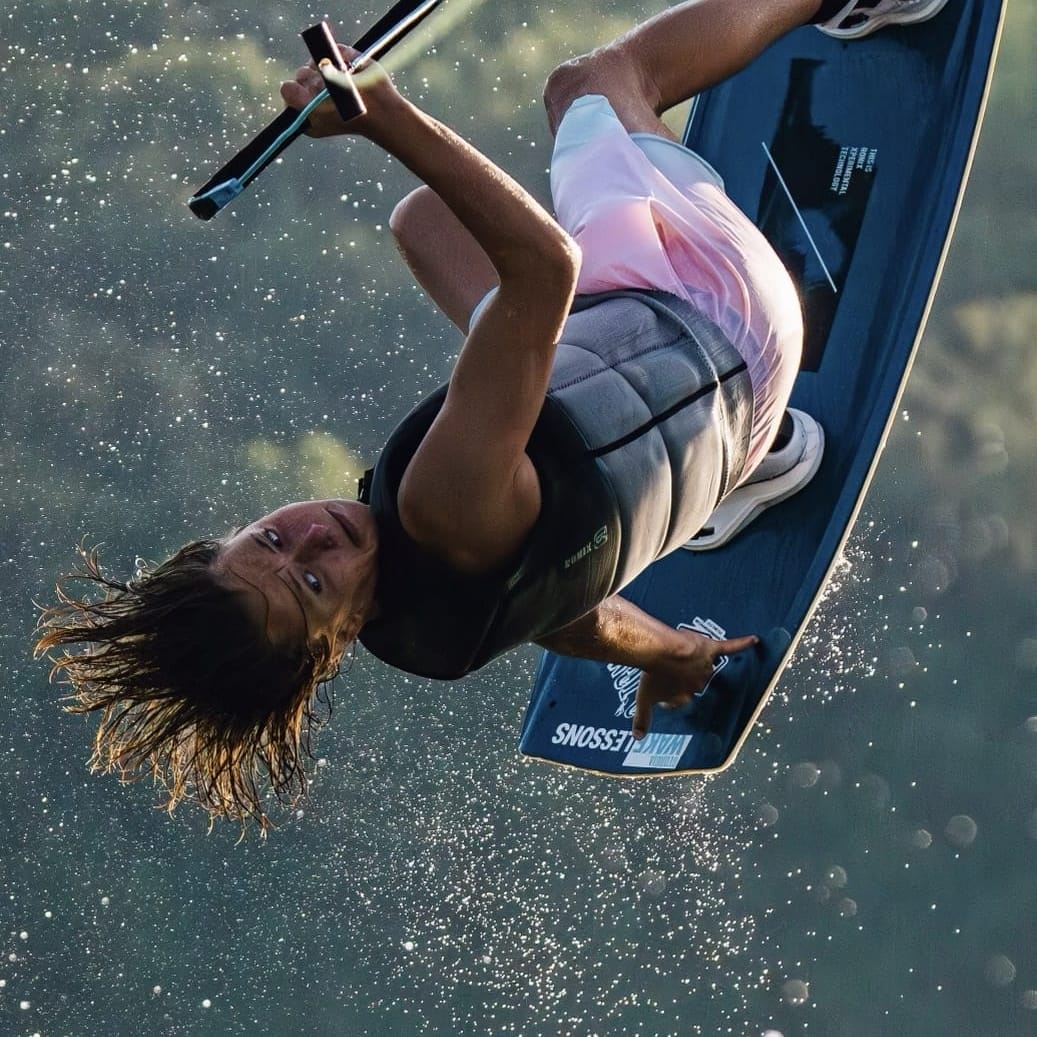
{"x": 553, "y": 265}
{"x": 570, "y": 258}
{"x": 561, "y": 253}
{"x": 568, "y": 271}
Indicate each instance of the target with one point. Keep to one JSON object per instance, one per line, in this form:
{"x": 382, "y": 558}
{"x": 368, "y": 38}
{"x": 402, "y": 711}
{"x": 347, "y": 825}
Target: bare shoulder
{"x": 470, "y": 492}
{"x": 459, "y": 522}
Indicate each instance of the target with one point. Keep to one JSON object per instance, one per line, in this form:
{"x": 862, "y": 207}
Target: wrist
{"x": 387, "y": 113}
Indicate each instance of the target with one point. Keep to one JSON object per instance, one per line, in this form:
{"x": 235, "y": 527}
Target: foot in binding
{"x": 784, "y": 471}
{"x": 862, "y": 17}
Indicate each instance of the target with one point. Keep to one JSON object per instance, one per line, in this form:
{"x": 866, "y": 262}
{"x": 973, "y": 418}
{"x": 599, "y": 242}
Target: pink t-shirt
{"x": 648, "y": 213}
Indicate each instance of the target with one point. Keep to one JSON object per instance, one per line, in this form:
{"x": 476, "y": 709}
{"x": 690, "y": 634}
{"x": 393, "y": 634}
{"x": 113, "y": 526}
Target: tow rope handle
{"x": 254, "y": 157}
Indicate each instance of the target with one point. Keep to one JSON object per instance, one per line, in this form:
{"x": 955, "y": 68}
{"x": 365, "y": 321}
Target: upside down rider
{"x": 627, "y": 365}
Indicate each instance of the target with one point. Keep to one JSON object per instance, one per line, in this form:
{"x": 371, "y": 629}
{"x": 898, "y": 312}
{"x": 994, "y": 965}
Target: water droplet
{"x": 900, "y": 662}
{"x": 796, "y": 991}
{"x": 766, "y": 815}
{"x": 961, "y": 830}
{"x": 933, "y": 575}
{"x": 874, "y": 790}
{"x": 836, "y": 877}
{"x": 652, "y": 883}
{"x": 1026, "y": 654}
{"x": 848, "y": 907}
{"x": 999, "y": 971}
{"x": 614, "y": 860}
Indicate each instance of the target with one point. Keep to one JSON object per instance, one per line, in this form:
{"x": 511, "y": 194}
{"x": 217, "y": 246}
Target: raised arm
{"x": 674, "y": 664}
{"x": 471, "y": 491}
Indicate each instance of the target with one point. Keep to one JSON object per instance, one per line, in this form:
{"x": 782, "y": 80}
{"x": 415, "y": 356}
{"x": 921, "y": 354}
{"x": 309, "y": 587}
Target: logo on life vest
{"x": 625, "y": 679}
{"x": 600, "y": 539}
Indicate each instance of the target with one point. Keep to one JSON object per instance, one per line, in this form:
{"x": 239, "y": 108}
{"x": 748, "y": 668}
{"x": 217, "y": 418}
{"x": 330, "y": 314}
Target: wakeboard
{"x": 852, "y": 158}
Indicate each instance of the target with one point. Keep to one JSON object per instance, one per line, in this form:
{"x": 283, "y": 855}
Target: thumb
{"x": 642, "y": 712}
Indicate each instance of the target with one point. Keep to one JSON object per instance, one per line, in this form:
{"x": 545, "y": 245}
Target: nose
{"x": 316, "y": 539}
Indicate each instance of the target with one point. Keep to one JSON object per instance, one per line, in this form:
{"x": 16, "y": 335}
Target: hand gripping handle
{"x": 229, "y": 181}
{"x": 320, "y": 41}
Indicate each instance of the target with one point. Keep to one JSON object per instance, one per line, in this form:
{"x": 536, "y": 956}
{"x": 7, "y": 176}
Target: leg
{"x": 442, "y": 255}
{"x": 673, "y": 56}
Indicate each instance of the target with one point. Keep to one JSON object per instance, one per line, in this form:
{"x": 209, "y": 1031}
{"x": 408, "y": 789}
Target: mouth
{"x": 346, "y": 526}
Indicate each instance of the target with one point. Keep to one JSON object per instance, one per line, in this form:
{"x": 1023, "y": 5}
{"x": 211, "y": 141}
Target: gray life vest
{"x": 644, "y": 429}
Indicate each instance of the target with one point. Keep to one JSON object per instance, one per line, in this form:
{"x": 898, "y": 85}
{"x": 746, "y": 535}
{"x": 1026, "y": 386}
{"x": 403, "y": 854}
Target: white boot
{"x": 779, "y": 475}
{"x": 863, "y": 17}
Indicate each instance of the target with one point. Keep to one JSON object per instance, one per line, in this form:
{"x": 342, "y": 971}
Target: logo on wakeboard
{"x": 656, "y": 751}
{"x": 625, "y": 679}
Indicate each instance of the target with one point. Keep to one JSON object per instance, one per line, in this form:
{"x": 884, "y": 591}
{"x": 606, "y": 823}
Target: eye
{"x": 272, "y": 536}
{"x": 312, "y": 582}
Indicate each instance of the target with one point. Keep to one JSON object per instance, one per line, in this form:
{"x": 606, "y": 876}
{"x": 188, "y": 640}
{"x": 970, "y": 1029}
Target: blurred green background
{"x": 867, "y": 866}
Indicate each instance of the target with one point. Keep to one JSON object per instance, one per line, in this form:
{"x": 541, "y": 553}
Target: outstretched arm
{"x": 674, "y": 664}
{"x": 470, "y": 492}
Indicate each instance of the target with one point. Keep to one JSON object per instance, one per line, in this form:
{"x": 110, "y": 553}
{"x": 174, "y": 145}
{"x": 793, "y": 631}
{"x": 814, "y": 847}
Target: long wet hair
{"x": 189, "y": 688}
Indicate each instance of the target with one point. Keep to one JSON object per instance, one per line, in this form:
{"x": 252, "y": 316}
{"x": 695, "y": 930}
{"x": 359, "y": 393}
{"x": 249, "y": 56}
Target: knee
{"x": 570, "y": 80}
{"x": 613, "y": 71}
{"x": 408, "y": 211}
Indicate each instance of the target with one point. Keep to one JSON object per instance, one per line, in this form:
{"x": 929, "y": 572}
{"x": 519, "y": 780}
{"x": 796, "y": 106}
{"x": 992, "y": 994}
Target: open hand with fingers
{"x": 675, "y": 664}
{"x": 673, "y": 682}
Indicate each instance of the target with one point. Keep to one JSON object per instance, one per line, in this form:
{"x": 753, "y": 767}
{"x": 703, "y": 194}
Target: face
{"x": 307, "y": 571}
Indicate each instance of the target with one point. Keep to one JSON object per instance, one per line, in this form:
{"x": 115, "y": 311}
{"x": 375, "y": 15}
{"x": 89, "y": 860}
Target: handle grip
{"x": 233, "y": 177}
{"x": 320, "y": 41}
